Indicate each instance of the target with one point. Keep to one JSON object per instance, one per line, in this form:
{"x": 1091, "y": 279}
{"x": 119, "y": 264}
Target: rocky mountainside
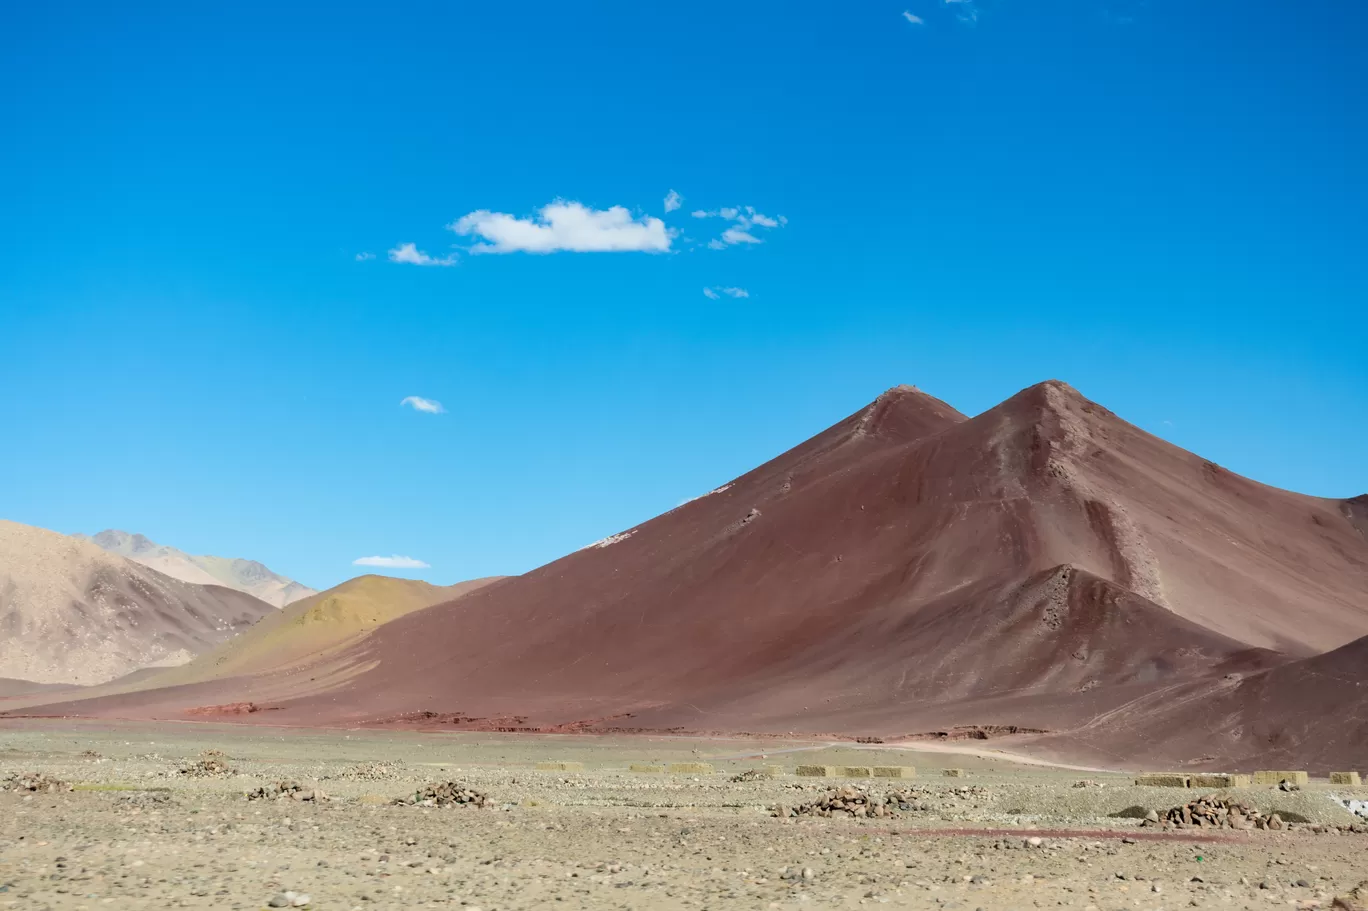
{"x": 73, "y": 613}
{"x": 244, "y": 575}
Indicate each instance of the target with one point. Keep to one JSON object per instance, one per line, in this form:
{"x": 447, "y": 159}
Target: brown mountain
{"x": 1042, "y": 566}
{"x": 71, "y": 613}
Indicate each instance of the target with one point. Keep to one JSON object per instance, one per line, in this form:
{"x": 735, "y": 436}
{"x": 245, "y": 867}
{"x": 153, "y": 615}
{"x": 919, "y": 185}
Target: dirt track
{"x": 604, "y": 836}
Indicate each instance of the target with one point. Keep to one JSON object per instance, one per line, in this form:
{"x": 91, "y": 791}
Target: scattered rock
{"x": 212, "y": 767}
{"x": 286, "y": 790}
{"x": 445, "y": 794}
{"x": 852, "y": 801}
{"x": 289, "y": 900}
{"x": 34, "y": 782}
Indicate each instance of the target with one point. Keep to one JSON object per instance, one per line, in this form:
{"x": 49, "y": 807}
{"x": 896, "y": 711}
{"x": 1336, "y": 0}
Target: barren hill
{"x": 73, "y": 613}
{"x": 309, "y": 630}
{"x": 1043, "y": 566}
{"x": 244, "y": 575}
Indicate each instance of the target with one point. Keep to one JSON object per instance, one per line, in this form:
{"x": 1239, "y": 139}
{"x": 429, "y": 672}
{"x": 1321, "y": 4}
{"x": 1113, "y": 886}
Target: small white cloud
{"x": 710, "y": 293}
{"x": 394, "y": 562}
{"x": 565, "y": 226}
{"x": 715, "y": 293}
{"x": 915, "y": 20}
{"x": 736, "y": 235}
{"x": 362, "y": 257}
{"x": 673, "y": 201}
{"x": 745, "y": 218}
{"x": 409, "y": 253}
{"x": 418, "y": 403}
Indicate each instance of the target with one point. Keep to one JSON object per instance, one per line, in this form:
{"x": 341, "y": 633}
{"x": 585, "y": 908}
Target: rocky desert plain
{"x": 1033, "y": 658}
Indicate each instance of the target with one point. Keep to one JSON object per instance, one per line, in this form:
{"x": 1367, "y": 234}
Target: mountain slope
{"x": 309, "y": 629}
{"x": 72, "y": 613}
{"x": 244, "y": 575}
{"x": 1042, "y": 565}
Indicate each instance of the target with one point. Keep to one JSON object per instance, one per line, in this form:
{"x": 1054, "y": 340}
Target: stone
{"x": 1162, "y": 780}
{"x": 953, "y": 773}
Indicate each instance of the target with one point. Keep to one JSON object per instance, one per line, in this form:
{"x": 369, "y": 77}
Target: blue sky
{"x": 1162, "y": 203}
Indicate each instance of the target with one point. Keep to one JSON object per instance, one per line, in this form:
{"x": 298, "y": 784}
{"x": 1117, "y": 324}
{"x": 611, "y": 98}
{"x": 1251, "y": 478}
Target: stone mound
{"x": 853, "y": 802}
{"x": 210, "y": 767}
{"x": 286, "y": 790}
{"x": 33, "y": 783}
{"x": 444, "y": 794}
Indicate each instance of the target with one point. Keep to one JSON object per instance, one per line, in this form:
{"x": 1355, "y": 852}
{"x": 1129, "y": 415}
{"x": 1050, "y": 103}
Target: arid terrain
{"x": 159, "y": 818}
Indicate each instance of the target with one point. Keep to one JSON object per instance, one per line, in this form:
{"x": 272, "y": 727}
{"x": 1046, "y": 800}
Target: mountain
{"x": 73, "y": 613}
{"x": 1041, "y": 567}
{"x": 308, "y": 630}
{"x": 244, "y": 575}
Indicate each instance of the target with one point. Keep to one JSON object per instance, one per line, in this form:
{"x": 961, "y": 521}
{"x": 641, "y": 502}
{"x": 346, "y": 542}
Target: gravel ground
{"x": 140, "y": 832}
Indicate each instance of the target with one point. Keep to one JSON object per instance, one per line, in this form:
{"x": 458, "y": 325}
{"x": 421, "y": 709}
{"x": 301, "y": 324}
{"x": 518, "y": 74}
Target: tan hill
{"x": 71, "y": 612}
{"x": 309, "y": 630}
{"x": 244, "y": 575}
{"x": 1044, "y": 566}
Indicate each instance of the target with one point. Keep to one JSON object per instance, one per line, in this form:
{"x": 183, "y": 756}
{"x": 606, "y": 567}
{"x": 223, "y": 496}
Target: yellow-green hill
{"x": 312, "y": 627}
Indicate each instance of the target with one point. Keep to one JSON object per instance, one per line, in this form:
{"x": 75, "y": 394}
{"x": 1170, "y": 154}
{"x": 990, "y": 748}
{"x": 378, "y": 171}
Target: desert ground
{"x": 159, "y": 818}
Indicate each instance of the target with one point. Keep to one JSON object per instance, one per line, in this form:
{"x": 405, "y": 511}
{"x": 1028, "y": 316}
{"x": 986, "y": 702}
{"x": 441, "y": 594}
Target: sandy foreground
{"x": 138, "y": 832}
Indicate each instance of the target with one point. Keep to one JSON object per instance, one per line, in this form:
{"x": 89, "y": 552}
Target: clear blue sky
{"x": 1163, "y": 203}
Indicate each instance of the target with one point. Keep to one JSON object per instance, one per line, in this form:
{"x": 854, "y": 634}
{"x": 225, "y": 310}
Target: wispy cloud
{"x": 409, "y": 253}
{"x": 745, "y": 218}
{"x": 673, "y": 201}
{"x": 965, "y": 10}
{"x": 565, "y": 226}
{"x": 362, "y": 257}
{"x": 715, "y": 293}
{"x": 394, "y": 562}
{"x": 418, "y": 403}
{"x": 915, "y": 20}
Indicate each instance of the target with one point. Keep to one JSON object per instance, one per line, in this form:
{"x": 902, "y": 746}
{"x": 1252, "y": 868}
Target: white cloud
{"x": 673, "y": 201}
{"x": 735, "y": 235}
{"x": 394, "y": 562}
{"x": 745, "y": 218}
{"x": 409, "y": 253}
{"x": 715, "y": 293}
{"x": 710, "y": 294}
{"x": 915, "y": 20}
{"x": 965, "y": 11}
{"x": 418, "y": 403}
{"x": 569, "y": 226}
{"x": 362, "y": 257}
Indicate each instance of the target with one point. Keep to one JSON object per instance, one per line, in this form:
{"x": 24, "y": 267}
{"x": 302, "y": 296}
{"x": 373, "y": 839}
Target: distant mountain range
{"x": 71, "y": 613}
{"x": 244, "y": 575}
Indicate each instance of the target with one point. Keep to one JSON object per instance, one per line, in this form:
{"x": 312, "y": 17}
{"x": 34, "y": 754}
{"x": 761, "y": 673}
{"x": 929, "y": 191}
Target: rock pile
{"x": 285, "y": 790}
{"x": 210, "y": 767}
{"x": 854, "y": 802}
{"x": 371, "y": 771}
{"x": 33, "y": 783}
{"x": 144, "y": 800}
{"x": 751, "y": 775}
{"x": 444, "y": 794}
{"x": 1210, "y": 811}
